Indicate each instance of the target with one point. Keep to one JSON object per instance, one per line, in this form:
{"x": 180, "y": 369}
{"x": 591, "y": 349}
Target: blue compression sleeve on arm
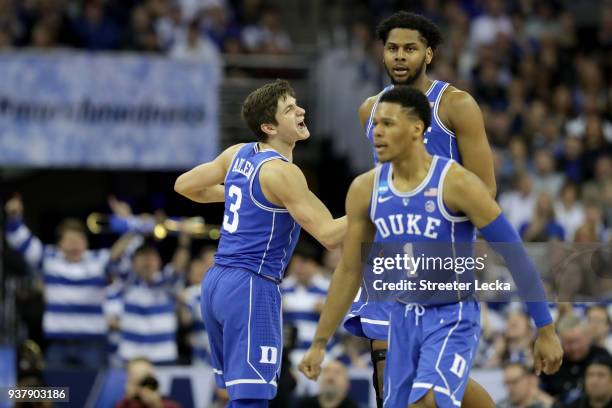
{"x": 521, "y": 267}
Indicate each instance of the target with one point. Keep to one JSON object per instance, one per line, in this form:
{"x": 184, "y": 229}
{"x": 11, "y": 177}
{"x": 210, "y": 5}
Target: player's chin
{"x": 303, "y": 134}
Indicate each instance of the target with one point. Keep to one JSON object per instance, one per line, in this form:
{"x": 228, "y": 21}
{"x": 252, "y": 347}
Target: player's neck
{"x": 422, "y": 83}
{"x": 410, "y": 169}
{"x": 280, "y": 146}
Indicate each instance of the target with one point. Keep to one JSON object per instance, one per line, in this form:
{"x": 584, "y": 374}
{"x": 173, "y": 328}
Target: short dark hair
{"x": 70, "y": 224}
{"x": 145, "y": 248}
{"x": 403, "y": 19}
{"x": 410, "y": 98}
{"x": 261, "y": 104}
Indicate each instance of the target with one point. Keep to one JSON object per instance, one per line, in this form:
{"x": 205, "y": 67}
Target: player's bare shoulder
{"x": 365, "y": 109}
{"x": 278, "y": 174}
{"x": 455, "y": 103}
{"x": 461, "y": 184}
{"x": 360, "y": 191}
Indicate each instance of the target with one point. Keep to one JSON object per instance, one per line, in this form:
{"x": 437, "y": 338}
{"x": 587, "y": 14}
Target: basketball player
{"x": 266, "y": 201}
{"x": 456, "y": 132}
{"x": 416, "y": 198}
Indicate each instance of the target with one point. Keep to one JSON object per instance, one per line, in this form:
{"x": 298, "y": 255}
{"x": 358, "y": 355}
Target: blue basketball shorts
{"x": 242, "y": 315}
{"x": 430, "y": 347}
{"x": 368, "y": 317}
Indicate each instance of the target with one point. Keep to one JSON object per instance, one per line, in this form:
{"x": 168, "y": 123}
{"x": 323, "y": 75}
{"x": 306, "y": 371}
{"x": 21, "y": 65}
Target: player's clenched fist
{"x": 311, "y": 362}
{"x": 547, "y": 351}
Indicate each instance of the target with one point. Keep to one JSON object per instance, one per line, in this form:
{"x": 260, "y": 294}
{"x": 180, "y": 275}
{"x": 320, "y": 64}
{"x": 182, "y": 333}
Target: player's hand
{"x": 311, "y": 362}
{"x": 547, "y": 351}
{"x": 14, "y": 206}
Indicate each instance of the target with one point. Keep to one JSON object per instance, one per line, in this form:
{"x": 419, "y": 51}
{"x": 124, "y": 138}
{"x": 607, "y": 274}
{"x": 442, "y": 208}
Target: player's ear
{"x": 428, "y": 55}
{"x": 419, "y": 127}
{"x": 268, "y": 128}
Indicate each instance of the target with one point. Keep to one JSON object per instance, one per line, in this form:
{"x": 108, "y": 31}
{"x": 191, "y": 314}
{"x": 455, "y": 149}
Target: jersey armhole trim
{"x": 441, "y": 205}
{"x": 257, "y": 203}
{"x": 435, "y": 111}
{"x": 229, "y": 169}
{"x": 377, "y": 172}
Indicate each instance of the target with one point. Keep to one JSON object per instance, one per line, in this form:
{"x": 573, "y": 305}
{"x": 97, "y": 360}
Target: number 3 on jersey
{"x": 236, "y": 195}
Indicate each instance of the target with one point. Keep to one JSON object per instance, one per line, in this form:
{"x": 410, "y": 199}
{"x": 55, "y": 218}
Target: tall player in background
{"x": 266, "y": 201}
{"x": 433, "y": 334}
{"x": 456, "y": 132}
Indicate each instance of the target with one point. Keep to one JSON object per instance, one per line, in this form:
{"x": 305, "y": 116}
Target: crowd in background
{"x": 198, "y": 29}
{"x": 540, "y": 71}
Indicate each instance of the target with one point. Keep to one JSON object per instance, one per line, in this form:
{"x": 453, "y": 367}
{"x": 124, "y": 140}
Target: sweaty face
{"x": 405, "y": 56}
{"x": 290, "y": 118}
{"x": 395, "y": 130}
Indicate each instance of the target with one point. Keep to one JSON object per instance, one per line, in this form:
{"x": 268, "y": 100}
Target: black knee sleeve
{"x": 377, "y": 357}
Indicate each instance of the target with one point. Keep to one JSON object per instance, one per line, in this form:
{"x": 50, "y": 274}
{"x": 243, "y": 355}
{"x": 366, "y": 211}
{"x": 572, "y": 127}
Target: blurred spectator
{"x": 593, "y": 228}
{"x": 148, "y": 323}
{"x": 95, "y": 29}
{"x": 287, "y": 381}
{"x": 546, "y": 179}
{"x": 597, "y": 385}
{"x": 193, "y": 46}
{"x": 334, "y": 386}
{"x": 570, "y": 160}
{"x": 303, "y": 292}
{"x": 522, "y": 388}
{"x": 602, "y": 167}
{"x": 599, "y": 325}
{"x": 566, "y": 385}
{"x": 221, "y": 29}
{"x": 268, "y": 35}
{"x": 519, "y": 203}
{"x": 606, "y": 198}
{"x": 142, "y": 388}
{"x": 486, "y": 27}
{"x": 141, "y": 34}
{"x": 569, "y": 211}
{"x": 543, "y": 227}
{"x": 190, "y": 313}
{"x": 75, "y": 278}
{"x": 357, "y": 352}
{"x": 516, "y": 343}
{"x": 192, "y": 9}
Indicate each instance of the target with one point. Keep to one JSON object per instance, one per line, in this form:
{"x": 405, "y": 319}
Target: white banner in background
{"x": 107, "y": 111}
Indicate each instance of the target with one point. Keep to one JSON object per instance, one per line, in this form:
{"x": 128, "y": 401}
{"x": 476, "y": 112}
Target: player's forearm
{"x": 342, "y": 291}
{"x": 334, "y": 233}
{"x": 214, "y": 194}
{"x": 508, "y": 244}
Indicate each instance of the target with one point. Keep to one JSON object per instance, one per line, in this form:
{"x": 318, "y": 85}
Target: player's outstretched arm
{"x": 347, "y": 276}
{"x": 202, "y": 184}
{"x": 284, "y": 184}
{"x": 465, "y": 192}
{"x": 467, "y": 122}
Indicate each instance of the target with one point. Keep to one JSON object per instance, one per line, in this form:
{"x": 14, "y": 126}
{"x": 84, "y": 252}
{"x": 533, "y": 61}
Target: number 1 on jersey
{"x": 234, "y": 193}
